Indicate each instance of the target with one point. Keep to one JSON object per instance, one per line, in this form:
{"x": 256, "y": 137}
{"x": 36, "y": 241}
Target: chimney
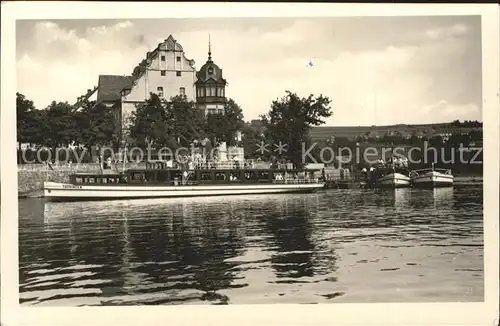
{"x": 89, "y": 90}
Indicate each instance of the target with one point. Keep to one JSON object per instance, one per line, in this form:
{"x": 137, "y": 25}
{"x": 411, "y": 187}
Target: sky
{"x": 375, "y": 70}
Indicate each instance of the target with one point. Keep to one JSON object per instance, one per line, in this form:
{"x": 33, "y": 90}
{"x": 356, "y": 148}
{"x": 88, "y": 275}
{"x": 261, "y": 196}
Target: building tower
{"x": 210, "y": 87}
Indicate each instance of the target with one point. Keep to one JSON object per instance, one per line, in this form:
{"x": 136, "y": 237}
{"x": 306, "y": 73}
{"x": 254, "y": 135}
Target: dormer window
{"x": 182, "y": 91}
{"x": 210, "y": 71}
{"x": 160, "y": 91}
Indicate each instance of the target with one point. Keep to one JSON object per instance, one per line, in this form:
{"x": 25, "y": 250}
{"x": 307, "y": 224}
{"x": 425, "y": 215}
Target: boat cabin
{"x": 159, "y": 173}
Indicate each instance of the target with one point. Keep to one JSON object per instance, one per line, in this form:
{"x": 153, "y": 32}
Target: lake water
{"x": 355, "y": 246}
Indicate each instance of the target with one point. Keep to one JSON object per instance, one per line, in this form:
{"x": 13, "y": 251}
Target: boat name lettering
{"x": 72, "y": 187}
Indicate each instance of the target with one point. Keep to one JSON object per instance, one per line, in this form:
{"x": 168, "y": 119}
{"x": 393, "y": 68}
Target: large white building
{"x": 167, "y": 72}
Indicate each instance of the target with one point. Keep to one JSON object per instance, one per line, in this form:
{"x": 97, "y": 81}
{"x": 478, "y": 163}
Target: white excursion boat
{"x": 168, "y": 182}
{"x": 394, "y": 180}
{"x": 431, "y": 178}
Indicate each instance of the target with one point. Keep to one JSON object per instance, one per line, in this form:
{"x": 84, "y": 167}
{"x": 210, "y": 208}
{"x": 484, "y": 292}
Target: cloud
{"x": 399, "y": 76}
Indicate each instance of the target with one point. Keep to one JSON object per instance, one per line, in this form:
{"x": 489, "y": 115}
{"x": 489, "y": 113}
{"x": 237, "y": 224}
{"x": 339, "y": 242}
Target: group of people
{"x": 104, "y": 163}
{"x": 396, "y": 163}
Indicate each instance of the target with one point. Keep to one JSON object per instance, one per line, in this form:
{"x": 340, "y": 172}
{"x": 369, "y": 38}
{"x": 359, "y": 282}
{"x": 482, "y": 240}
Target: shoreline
{"x": 459, "y": 182}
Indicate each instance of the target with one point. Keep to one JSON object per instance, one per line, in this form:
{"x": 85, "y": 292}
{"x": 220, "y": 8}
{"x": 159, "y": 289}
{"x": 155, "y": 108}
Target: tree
{"x": 234, "y": 121}
{"x": 290, "y": 120}
{"x": 95, "y": 125}
{"x": 251, "y": 138}
{"x": 225, "y": 126}
{"x": 149, "y": 124}
{"x": 59, "y": 126}
{"x": 216, "y": 126}
{"x": 187, "y": 121}
{"x": 29, "y": 121}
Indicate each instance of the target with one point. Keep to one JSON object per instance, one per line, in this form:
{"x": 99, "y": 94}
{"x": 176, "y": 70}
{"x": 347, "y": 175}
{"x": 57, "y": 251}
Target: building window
{"x": 160, "y": 91}
{"x": 182, "y": 91}
{"x": 178, "y": 73}
{"x": 162, "y": 58}
{"x": 163, "y": 72}
{"x": 178, "y": 59}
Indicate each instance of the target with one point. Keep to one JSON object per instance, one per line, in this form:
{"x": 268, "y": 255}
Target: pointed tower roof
{"x": 210, "y": 70}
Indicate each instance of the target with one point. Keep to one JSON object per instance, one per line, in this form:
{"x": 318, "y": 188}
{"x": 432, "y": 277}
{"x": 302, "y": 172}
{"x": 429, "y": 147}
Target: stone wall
{"x": 30, "y": 177}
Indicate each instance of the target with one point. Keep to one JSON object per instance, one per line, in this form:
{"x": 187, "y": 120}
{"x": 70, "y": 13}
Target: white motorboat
{"x": 393, "y": 180}
{"x": 431, "y": 178}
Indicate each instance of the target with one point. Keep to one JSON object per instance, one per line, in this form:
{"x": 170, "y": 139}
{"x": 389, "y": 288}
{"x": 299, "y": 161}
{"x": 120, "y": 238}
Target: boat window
{"x": 91, "y": 180}
{"x": 205, "y": 176}
{"x": 178, "y": 175}
{"x": 137, "y": 176}
{"x": 235, "y": 176}
{"x": 150, "y": 176}
{"x": 162, "y": 176}
{"x": 263, "y": 175}
{"x": 249, "y": 175}
{"x": 104, "y": 180}
{"x": 278, "y": 176}
{"x": 220, "y": 176}
{"x": 79, "y": 180}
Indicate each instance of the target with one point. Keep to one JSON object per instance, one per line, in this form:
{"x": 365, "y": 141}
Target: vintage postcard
{"x": 295, "y": 163}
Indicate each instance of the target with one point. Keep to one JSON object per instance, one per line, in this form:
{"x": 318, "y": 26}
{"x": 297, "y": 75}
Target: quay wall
{"x": 30, "y": 177}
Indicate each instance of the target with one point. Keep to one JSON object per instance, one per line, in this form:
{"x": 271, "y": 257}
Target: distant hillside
{"x": 404, "y": 130}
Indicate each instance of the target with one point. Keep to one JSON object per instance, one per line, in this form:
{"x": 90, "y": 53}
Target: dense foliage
{"x": 178, "y": 122}
{"x": 289, "y": 121}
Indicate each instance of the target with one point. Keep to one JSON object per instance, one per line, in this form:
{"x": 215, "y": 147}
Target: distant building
{"x": 444, "y": 130}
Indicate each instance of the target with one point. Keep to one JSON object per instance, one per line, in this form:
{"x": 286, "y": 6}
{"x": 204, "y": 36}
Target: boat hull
{"x": 394, "y": 180}
{"x": 432, "y": 180}
{"x": 67, "y": 192}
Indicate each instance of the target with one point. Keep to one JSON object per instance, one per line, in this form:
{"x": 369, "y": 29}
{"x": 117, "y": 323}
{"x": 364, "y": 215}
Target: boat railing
{"x": 223, "y": 165}
{"x": 295, "y": 181}
{"x": 423, "y": 171}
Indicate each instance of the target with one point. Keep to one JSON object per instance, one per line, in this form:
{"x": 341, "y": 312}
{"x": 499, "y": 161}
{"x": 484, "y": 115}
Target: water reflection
{"x": 401, "y": 197}
{"x": 281, "y": 248}
{"x": 443, "y": 197}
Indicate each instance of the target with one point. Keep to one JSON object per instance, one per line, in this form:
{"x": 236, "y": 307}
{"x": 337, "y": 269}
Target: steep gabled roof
{"x": 110, "y": 87}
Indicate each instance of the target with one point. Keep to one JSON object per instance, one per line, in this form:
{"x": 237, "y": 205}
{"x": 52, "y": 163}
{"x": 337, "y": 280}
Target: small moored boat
{"x": 431, "y": 178}
{"x": 159, "y": 181}
{"x": 390, "y": 174}
{"x": 394, "y": 180}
